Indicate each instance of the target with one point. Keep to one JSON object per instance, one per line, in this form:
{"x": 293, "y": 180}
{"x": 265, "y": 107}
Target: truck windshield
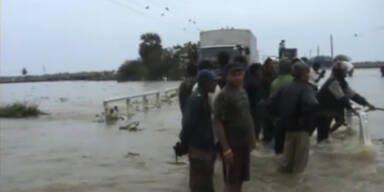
{"x": 211, "y": 53}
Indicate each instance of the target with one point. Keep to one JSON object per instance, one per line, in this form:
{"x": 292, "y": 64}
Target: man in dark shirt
{"x": 185, "y": 88}
{"x": 294, "y": 105}
{"x": 334, "y": 97}
{"x": 197, "y": 134}
{"x": 223, "y": 60}
{"x": 234, "y": 127}
{"x": 253, "y": 87}
{"x": 269, "y": 73}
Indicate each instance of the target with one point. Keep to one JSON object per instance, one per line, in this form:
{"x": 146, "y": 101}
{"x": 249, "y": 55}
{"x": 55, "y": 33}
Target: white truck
{"x": 232, "y": 41}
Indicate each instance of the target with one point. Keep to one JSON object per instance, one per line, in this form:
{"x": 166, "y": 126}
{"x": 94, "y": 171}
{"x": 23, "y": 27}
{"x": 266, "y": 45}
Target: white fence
{"x": 159, "y": 97}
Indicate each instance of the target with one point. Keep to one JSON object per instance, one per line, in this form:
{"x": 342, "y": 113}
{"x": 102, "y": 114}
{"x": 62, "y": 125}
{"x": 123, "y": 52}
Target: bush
{"x": 131, "y": 71}
{"x": 19, "y": 110}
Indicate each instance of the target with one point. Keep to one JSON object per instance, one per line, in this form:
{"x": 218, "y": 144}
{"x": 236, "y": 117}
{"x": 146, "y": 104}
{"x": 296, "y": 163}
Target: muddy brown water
{"x": 67, "y": 151}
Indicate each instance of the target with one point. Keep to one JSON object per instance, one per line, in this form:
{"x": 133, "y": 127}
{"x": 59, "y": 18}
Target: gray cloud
{"x": 72, "y": 35}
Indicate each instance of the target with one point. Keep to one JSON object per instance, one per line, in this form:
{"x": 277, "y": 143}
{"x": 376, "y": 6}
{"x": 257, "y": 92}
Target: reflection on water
{"x": 69, "y": 152}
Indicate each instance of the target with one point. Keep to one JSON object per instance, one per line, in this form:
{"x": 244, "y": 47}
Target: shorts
{"x": 237, "y": 172}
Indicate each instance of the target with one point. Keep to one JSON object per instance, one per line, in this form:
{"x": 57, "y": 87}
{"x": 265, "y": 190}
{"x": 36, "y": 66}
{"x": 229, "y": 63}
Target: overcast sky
{"x": 94, "y": 35}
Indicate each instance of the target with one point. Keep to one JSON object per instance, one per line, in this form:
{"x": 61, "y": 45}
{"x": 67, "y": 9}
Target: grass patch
{"x": 19, "y": 110}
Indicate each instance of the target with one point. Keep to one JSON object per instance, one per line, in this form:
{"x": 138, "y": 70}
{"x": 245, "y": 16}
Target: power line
{"x": 126, "y": 6}
{"x": 149, "y": 1}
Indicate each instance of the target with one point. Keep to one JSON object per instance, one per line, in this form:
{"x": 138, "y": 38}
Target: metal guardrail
{"x": 167, "y": 94}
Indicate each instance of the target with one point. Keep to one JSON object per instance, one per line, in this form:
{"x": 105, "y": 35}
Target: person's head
{"x": 207, "y": 81}
{"x": 204, "y": 64}
{"x": 269, "y": 65}
{"x": 234, "y": 75}
{"x": 191, "y": 70}
{"x": 241, "y": 60}
{"x": 316, "y": 66}
{"x": 285, "y": 66}
{"x": 223, "y": 58}
{"x": 341, "y": 58}
{"x": 340, "y": 69}
{"x": 255, "y": 69}
{"x": 300, "y": 71}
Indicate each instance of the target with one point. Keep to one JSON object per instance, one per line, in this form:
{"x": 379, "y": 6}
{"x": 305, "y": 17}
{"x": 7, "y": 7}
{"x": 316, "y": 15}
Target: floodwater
{"x": 69, "y": 151}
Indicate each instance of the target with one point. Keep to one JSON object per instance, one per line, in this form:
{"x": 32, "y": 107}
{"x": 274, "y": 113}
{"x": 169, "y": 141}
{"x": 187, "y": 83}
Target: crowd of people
{"x": 230, "y": 105}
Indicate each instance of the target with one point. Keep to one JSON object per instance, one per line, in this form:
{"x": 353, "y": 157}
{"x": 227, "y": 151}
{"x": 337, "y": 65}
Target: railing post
{"x": 158, "y": 99}
{"x": 105, "y": 105}
{"x": 145, "y": 102}
{"x": 166, "y": 94}
{"x": 128, "y": 102}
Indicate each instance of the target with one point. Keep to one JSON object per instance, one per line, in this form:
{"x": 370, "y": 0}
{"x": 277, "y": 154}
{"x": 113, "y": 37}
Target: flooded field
{"x": 68, "y": 151}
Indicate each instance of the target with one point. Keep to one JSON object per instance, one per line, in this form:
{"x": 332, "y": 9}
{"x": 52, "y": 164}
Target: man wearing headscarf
{"x": 335, "y": 96}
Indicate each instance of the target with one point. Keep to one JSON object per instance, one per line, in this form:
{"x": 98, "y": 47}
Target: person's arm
{"x": 309, "y": 108}
{"x": 358, "y": 98}
{"x": 222, "y": 137}
{"x": 226, "y": 149}
{"x": 309, "y": 100}
{"x": 320, "y": 76}
{"x": 219, "y": 115}
{"x": 339, "y": 94}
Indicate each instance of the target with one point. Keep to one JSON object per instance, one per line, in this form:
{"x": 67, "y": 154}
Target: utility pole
{"x": 1, "y": 22}
{"x": 1, "y": 12}
{"x": 331, "y": 39}
{"x": 318, "y": 51}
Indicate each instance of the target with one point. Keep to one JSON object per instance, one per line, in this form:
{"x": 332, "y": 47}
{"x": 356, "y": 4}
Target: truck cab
{"x": 233, "y": 41}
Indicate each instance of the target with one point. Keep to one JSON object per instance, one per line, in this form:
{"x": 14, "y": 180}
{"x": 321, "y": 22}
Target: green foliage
{"x": 19, "y": 110}
{"x": 131, "y": 71}
{"x": 157, "y": 62}
{"x": 24, "y": 71}
{"x": 151, "y": 53}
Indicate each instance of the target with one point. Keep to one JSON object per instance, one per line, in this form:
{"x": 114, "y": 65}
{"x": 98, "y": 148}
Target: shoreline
{"x": 80, "y": 76}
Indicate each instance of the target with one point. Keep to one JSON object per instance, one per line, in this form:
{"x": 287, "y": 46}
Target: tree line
{"x": 156, "y": 62}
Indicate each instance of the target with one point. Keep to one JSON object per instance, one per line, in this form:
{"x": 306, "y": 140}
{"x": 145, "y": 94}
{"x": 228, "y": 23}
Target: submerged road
{"x": 50, "y": 154}
{"x": 67, "y": 151}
